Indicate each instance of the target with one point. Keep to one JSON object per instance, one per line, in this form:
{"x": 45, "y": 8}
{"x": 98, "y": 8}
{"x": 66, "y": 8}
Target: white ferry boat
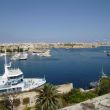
{"x": 13, "y": 80}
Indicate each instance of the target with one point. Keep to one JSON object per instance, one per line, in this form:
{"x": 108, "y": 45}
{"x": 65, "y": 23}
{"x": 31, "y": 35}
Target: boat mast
{"x": 5, "y": 59}
{"x": 6, "y": 66}
{"x": 44, "y": 77}
{"x": 103, "y": 72}
{"x": 5, "y": 75}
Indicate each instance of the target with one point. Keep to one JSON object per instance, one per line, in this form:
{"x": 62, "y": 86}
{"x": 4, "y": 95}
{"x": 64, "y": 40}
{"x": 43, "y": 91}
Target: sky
{"x": 54, "y": 20}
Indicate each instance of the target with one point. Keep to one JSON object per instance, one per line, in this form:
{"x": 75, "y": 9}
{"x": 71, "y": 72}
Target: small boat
{"x": 105, "y": 50}
{"x": 108, "y": 53}
{"x": 45, "y": 53}
{"x": 2, "y": 54}
{"x": 96, "y": 83}
{"x": 20, "y": 56}
{"x": 15, "y": 57}
{"x": 23, "y": 56}
{"x": 103, "y": 74}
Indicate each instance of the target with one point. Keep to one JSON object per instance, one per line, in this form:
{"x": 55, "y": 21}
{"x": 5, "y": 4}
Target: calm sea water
{"x": 79, "y": 66}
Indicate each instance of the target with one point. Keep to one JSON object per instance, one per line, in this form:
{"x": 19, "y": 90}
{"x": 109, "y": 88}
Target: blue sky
{"x": 54, "y": 20}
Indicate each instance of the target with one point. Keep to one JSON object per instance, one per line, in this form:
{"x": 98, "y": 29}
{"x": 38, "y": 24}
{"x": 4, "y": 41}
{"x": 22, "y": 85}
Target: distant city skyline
{"x": 54, "y": 20}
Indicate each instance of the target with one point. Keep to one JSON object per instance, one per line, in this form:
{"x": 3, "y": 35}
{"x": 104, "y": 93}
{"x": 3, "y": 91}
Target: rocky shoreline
{"x": 98, "y": 103}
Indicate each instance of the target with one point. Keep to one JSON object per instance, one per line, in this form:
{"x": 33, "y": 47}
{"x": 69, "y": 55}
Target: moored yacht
{"x": 23, "y": 56}
{"x": 42, "y": 53}
{"x": 2, "y": 54}
{"x": 20, "y": 56}
{"x": 108, "y": 53}
{"x": 16, "y": 56}
{"x": 96, "y": 83}
{"x": 13, "y": 80}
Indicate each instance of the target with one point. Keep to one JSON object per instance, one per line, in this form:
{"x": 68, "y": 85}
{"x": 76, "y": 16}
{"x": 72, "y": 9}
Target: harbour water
{"x": 80, "y": 66}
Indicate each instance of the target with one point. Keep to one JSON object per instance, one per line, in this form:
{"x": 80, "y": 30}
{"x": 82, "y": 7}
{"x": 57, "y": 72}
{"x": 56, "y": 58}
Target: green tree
{"x": 8, "y": 50}
{"x": 27, "y": 108}
{"x": 48, "y": 98}
{"x": 21, "y": 50}
{"x": 14, "y": 50}
{"x": 2, "y": 105}
{"x": 76, "y": 96}
{"x": 16, "y": 102}
{"x": 104, "y": 86}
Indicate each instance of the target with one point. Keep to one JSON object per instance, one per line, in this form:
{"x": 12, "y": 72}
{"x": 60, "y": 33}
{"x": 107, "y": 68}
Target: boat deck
{"x": 31, "y": 83}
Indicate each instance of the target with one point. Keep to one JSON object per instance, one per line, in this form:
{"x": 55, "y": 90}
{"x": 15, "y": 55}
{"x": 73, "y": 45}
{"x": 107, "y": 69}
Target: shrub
{"x": 2, "y": 105}
{"x": 75, "y": 96}
{"x": 104, "y": 86}
{"x": 26, "y": 101}
{"x": 16, "y": 102}
{"x": 27, "y": 108}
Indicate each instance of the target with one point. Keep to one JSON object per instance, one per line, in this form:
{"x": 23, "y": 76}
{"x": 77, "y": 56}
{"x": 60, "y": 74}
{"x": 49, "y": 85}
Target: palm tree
{"x": 48, "y": 98}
